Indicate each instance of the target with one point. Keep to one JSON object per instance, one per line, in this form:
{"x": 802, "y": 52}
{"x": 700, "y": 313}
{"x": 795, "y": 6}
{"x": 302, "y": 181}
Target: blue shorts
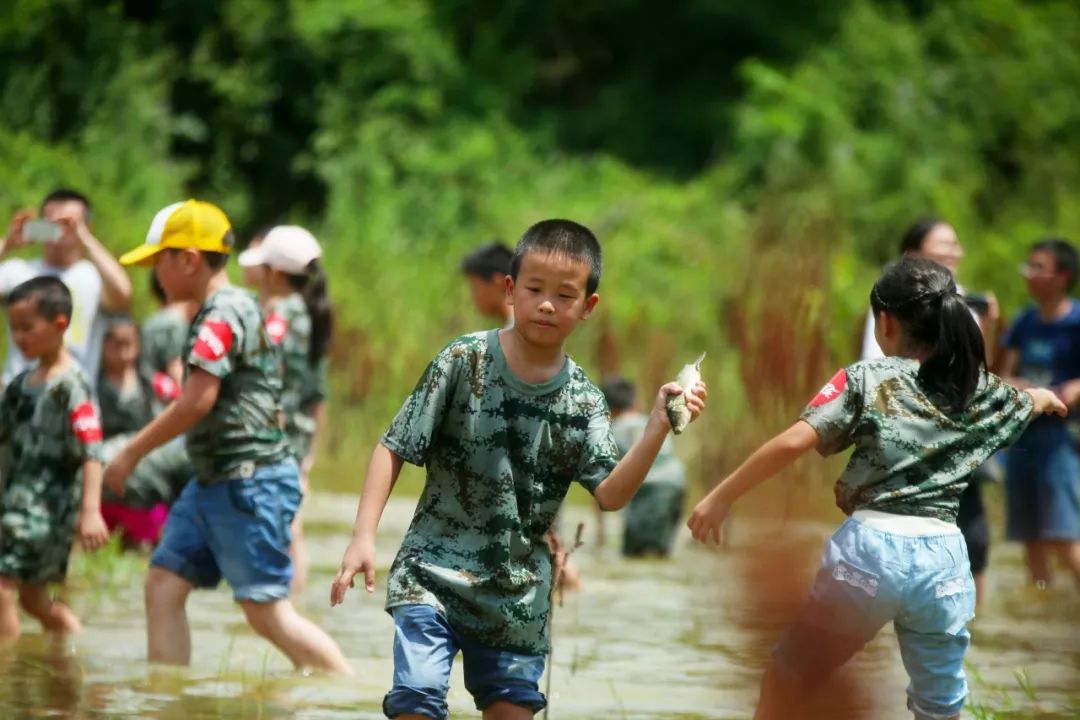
{"x": 869, "y": 577}
{"x": 1042, "y": 476}
{"x": 424, "y": 649}
{"x": 238, "y": 529}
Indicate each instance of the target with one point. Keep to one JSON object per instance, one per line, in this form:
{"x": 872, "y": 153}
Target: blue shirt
{"x": 1049, "y": 351}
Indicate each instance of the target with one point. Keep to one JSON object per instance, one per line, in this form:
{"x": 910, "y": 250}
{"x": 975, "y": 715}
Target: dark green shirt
{"x": 500, "y": 456}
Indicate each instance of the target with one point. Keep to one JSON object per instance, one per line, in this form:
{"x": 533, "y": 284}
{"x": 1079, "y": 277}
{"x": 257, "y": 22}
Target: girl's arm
{"x": 382, "y": 474}
{"x": 766, "y": 461}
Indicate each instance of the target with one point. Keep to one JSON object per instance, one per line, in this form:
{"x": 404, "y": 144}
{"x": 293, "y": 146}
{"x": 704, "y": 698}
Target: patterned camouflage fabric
{"x": 125, "y": 412}
{"x": 289, "y": 326}
{"x": 157, "y": 478}
{"x": 500, "y": 456}
{"x": 47, "y": 432}
{"x": 228, "y": 340}
{"x": 161, "y": 340}
{"x": 652, "y": 517}
{"x": 910, "y": 457}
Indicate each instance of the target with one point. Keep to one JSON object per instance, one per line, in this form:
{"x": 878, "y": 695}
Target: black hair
{"x": 52, "y": 296}
{"x": 119, "y": 320}
{"x": 156, "y": 290}
{"x": 912, "y": 239}
{"x": 619, "y": 393}
{"x": 214, "y": 260}
{"x": 564, "y": 237}
{"x": 68, "y": 195}
{"x": 488, "y": 261}
{"x": 312, "y": 286}
{"x": 1065, "y": 257}
{"x": 922, "y": 296}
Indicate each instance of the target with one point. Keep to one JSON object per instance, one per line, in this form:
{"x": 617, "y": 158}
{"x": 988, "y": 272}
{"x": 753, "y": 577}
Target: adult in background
{"x": 1043, "y": 346}
{"x": 70, "y": 252}
{"x": 936, "y": 240}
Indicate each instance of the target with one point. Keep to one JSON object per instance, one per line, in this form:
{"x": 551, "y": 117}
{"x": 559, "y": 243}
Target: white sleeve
{"x": 13, "y": 272}
{"x": 870, "y": 348}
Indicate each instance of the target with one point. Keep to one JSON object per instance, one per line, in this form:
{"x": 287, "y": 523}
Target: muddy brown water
{"x": 683, "y": 638}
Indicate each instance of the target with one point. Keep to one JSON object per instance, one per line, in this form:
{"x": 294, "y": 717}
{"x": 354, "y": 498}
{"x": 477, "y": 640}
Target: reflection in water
{"x": 685, "y": 638}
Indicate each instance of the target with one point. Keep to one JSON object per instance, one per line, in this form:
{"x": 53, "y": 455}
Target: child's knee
{"x": 35, "y": 600}
{"x": 266, "y": 619}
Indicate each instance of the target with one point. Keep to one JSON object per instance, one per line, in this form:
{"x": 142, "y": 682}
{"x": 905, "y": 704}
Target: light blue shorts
{"x": 869, "y": 577}
{"x": 424, "y": 649}
{"x": 239, "y": 529}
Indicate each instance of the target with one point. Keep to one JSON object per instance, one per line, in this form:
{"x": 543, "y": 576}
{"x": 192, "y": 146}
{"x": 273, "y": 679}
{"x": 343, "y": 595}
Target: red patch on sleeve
{"x": 165, "y": 387}
{"x": 214, "y": 340}
{"x": 276, "y": 327}
{"x": 832, "y": 390}
{"x": 85, "y": 423}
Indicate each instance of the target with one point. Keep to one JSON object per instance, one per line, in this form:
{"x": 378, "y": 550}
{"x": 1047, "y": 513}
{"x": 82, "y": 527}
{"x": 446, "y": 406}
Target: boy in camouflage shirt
{"x": 50, "y": 461}
{"x": 233, "y": 519}
{"x": 503, "y": 421}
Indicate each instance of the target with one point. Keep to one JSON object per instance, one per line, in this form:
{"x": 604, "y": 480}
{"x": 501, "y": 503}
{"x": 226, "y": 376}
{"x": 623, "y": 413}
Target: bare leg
{"x": 1069, "y": 552}
{"x": 304, "y": 642}
{"x": 780, "y": 695}
{"x": 980, "y": 589}
{"x": 168, "y": 637}
{"x": 9, "y": 610}
{"x": 502, "y": 710}
{"x": 54, "y": 615}
{"x": 1038, "y": 562}
{"x": 299, "y": 557}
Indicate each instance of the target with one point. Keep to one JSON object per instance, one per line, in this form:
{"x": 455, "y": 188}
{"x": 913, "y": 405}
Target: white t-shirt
{"x": 87, "y": 329}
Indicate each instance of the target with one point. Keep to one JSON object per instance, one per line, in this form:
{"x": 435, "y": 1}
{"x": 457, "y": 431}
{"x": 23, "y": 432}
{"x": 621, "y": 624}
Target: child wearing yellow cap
{"x": 233, "y": 520}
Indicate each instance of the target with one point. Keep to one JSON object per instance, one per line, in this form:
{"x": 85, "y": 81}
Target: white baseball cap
{"x": 288, "y": 248}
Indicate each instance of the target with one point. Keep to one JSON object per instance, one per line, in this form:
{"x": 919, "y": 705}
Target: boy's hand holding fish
{"x": 677, "y": 404}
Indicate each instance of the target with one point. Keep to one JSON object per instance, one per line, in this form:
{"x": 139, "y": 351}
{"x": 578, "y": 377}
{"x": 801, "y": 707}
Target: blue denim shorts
{"x": 238, "y": 529}
{"x": 869, "y": 577}
{"x": 424, "y": 649}
{"x": 1042, "y": 484}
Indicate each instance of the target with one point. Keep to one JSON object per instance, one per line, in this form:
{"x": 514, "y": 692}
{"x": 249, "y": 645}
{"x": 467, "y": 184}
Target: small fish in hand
{"x": 677, "y": 412}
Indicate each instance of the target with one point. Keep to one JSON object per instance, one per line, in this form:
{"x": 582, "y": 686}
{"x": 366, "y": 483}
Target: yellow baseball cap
{"x": 188, "y": 225}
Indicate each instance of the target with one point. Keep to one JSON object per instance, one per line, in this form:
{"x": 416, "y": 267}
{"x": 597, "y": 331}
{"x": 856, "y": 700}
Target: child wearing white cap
{"x": 299, "y": 320}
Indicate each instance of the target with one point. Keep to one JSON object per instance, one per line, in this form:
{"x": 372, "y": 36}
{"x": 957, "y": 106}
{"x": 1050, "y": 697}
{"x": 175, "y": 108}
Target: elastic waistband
{"x": 906, "y": 525}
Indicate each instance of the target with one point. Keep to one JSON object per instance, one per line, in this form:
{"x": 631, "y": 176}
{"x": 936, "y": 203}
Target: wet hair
{"x": 912, "y": 239}
{"x": 52, "y": 296}
{"x": 619, "y": 393}
{"x": 922, "y": 296}
{"x": 68, "y": 195}
{"x": 562, "y": 237}
{"x": 488, "y": 261}
{"x": 312, "y": 286}
{"x": 1065, "y": 257}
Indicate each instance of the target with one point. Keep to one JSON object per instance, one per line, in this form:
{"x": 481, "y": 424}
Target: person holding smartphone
{"x": 69, "y": 251}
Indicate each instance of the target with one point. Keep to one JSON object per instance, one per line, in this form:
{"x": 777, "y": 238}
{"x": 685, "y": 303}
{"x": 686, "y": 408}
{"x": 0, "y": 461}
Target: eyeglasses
{"x": 1035, "y": 270}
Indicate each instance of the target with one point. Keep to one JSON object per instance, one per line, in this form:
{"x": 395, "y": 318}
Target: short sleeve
{"x": 1013, "y": 407}
{"x": 215, "y": 339}
{"x": 413, "y": 430}
{"x": 600, "y": 454}
{"x": 835, "y": 411}
{"x": 84, "y": 422}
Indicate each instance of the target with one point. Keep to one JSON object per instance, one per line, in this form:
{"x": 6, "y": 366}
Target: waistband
{"x": 906, "y": 525}
{"x": 247, "y": 469}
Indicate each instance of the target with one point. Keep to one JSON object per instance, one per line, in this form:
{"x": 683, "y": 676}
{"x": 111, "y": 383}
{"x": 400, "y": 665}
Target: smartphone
{"x": 42, "y": 231}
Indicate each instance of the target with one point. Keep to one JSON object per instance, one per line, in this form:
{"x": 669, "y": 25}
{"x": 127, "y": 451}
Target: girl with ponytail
{"x": 919, "y": 420}
{"x": 299, "y": 320}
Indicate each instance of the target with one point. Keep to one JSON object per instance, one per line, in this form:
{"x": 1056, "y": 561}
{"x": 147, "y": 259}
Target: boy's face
{"x": 35, "y": 336}
{"x": 1044, "y": 280}
{"x": 489, "y": 295}
{"x": 549, "y": 297}
{"x": 120, "y": 349}
{"x": 176, "y": 270}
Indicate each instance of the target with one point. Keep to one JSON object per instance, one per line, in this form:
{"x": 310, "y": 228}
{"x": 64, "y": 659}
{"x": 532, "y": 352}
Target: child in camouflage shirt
{"x": 299, "y": 320}
{"x": 920, "y": 420}
{"x": 233, "y": 519}
{"x": 653, "y": 515}
{"x": 50, "y": 461}
{"x": 503, "y": 421}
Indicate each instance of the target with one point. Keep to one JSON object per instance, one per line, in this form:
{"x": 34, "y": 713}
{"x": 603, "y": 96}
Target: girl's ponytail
{"x": 923, "y": 298}
{"x": 312, "y": 287}
{"x": 958, "y": 358}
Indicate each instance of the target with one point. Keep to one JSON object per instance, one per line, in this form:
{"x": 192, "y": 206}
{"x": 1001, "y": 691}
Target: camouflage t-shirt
{"x": 161, "y": 338}
{"x": 289, "y": 326}
{"x": 500, "y": 456}
{"x": 125, "y": 411}
{"x": 46, "y": 433}
{"x": 911, "y": 457}
{"x": 229, "y": 341}
{"x": 667, "y": 468}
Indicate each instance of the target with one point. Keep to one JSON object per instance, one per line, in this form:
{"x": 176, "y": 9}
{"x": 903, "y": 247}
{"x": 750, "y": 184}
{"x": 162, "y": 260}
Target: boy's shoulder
{"x": 231, "y": 299}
